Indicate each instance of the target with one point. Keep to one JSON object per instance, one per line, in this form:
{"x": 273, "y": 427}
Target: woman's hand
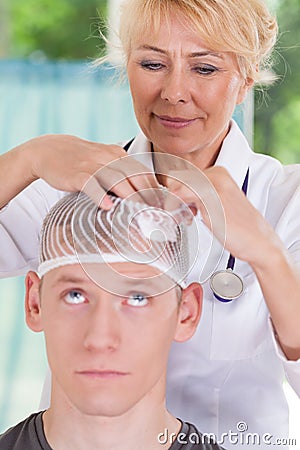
{"x": 69, "y": 163}
{"x": 249, "y": 237}
{"x": 225, "y": 209}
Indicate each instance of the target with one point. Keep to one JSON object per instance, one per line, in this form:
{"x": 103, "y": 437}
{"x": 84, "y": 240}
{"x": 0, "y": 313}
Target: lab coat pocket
{"x": 240, "y": 328}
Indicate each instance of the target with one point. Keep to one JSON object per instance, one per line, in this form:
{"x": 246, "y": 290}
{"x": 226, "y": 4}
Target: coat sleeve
{"x": 20, "y": 225}
{"x": 288, "y": 228}
{"x": 291, "y": 368}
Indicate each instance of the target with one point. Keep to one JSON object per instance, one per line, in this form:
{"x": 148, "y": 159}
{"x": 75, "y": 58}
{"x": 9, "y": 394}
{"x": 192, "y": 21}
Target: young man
{"x": 110, "y": 304}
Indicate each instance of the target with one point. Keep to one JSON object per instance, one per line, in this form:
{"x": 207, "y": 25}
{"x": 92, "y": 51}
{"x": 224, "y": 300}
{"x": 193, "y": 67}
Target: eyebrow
{"x": 129, "y": 284}
{"x": 68, "y": 279}
{"x": 191, "y": 55}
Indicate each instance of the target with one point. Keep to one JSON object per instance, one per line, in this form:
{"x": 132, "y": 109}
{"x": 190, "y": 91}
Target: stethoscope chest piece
{"x": 226, "y": 285}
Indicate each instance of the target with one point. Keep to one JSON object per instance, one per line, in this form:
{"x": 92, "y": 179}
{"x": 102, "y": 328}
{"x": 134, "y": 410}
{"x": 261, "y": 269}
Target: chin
{"x": 175, "y": 145}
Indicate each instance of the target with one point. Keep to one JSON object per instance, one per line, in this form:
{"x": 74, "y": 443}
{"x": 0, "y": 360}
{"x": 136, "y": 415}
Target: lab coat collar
{"x": 234, "y": 156}
{"x": 142, "y": 147}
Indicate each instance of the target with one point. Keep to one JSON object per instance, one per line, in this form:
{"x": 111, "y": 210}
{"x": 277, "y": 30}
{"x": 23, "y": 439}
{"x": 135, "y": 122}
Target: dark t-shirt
{"x": 29, "y": 435}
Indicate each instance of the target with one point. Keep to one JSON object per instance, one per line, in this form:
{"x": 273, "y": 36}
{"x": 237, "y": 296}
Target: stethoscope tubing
{"x": 227, "y": 285}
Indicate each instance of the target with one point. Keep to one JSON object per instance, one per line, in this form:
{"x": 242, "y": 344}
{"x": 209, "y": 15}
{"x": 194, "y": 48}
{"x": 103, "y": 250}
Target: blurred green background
{"x": 48, "y": 85}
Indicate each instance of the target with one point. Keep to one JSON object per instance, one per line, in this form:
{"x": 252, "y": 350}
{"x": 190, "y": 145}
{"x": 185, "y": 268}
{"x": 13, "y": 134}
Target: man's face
{"x": 107, "y": 353}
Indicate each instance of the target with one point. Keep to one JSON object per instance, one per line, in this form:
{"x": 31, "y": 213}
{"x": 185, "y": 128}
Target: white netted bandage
{"x": 77, "y": 231}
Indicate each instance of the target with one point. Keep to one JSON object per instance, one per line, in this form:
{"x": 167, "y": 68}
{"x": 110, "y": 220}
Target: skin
{"x": 176, "y": 90}
{"x": 184, "y": 95}
{"x": 176, "y": 83}
{"x": 72, "y": 164}
{"x": 101, "y": 349}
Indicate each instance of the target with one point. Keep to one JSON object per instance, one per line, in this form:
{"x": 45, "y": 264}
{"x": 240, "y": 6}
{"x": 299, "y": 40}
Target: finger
{"x": 196, "y": 189}
{"x": 124, "y": 189}
{"x": 132, "y": 167}
{"x": 99, "y": 196}
{"x": 141, "y": 177}
{"x": 152, "y": 196}
{"x": 119, "y": 184}
{"x": 173, "y": 201}
{"x": 179, "y": 194}
{"x": 126, "y": 176}
{"x": 115, "y": 182}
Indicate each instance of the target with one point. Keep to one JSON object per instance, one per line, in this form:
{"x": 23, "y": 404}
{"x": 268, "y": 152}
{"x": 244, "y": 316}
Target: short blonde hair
{"x": 243, "y": 27}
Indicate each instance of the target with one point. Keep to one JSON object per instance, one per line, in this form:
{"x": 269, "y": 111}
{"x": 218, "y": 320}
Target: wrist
{"x": 270, "y": 257}
{"x": 27, "y": 154}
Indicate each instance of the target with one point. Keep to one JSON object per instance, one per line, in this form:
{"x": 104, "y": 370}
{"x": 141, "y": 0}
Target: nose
{"x": 102, "y": 328}
{"x": 176, "y": 87}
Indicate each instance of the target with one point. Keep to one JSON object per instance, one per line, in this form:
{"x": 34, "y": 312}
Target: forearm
{"x": 15, "y": 172}
{"x": 279, "y": 279}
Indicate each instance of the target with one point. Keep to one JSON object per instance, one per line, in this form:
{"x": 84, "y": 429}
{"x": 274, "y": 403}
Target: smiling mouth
{"x": 174, "y": 122}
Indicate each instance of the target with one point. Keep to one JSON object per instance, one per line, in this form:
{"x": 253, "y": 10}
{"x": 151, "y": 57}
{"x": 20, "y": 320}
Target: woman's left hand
{"x": 225, "y": 209}
{"x": 248, "y": 236}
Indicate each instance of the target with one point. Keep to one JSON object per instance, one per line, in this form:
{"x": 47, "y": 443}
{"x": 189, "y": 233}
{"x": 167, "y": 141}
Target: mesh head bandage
{"x": 77, "y": 231}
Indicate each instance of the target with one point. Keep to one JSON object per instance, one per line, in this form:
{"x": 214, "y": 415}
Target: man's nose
{"x": 103, "y": 328}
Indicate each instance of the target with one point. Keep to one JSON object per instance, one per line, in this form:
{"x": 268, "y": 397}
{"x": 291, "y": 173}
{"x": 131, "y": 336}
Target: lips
{"x": 175, "y": 122}
{"x": 102, "y": 374}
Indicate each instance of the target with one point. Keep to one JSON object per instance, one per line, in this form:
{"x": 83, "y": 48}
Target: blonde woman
{"x": 189, "y": 63}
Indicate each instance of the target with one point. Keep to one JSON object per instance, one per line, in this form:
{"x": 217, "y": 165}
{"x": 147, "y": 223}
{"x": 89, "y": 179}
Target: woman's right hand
{"x": 69, "y": 163}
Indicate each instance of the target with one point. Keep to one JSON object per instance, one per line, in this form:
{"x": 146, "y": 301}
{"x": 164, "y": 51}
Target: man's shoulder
{"x": 190, "y": 438}
{"x": 25, "y": 435}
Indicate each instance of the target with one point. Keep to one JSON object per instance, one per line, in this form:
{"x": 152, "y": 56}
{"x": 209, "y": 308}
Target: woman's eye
{"x": 74, "y": 298}
{"x": 205, "y": 69}
{"x": 151, "y": 65}
{"x": 137, "y": 300}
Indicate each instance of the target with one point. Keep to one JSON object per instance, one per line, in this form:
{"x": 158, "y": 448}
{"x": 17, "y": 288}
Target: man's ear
{"x": 189, "y": 312}
{"x": 32, "y": 302}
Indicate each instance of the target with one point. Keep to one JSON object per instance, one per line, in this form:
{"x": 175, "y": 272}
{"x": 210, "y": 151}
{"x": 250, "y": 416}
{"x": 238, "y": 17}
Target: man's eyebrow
{"x": 68, "y": 279}
{"x": 191, "y": 55}
{"x": 129, "y": 283}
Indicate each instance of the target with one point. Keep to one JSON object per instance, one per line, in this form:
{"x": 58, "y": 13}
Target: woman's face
{"x": 183, "y": 93}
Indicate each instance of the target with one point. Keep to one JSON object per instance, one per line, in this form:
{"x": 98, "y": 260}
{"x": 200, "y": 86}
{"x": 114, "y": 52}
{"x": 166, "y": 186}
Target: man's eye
{"x": 74, "y": 298}
{"x": 137, "y": 300}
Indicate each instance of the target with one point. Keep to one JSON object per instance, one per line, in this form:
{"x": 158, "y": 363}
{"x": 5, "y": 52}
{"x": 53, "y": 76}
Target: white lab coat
{"x": 228, "y": 377}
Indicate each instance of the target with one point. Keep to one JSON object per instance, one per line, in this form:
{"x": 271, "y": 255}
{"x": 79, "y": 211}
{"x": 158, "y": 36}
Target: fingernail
{"x": 106, "y": 203}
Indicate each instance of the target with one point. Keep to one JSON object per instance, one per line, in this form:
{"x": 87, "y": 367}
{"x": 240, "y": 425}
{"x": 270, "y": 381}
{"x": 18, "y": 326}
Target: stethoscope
{"x": 227, "y": 285}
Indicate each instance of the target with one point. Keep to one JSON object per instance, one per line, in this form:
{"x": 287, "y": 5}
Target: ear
{"x": 189, "y": 312}
{"x": 245, "y": 87}
{"x": 32, "y": 302}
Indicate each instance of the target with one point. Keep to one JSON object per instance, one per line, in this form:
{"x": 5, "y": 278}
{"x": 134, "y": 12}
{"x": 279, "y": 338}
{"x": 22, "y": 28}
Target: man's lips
{"x": 175, "y": 122}
{"x": 102, "y": 374}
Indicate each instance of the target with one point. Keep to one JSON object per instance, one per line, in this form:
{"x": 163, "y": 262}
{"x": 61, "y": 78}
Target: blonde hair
{"x": 243, "y": 27}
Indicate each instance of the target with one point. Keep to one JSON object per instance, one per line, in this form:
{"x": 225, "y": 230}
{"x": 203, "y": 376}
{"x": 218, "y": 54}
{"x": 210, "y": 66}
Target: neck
{"x": 66, "y": 427}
